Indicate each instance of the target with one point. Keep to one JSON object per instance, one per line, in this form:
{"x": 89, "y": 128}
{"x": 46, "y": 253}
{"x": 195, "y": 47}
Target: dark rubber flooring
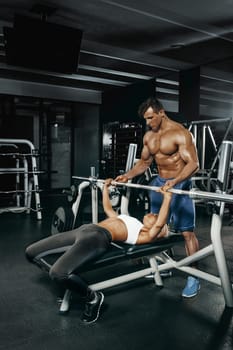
{"x": 135, "y": 316}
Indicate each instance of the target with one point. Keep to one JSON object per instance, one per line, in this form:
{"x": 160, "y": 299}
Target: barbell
{"x": 193, "y": 193}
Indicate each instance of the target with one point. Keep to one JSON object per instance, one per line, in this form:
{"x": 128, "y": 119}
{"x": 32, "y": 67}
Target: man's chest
{"x": 162, "y": 145}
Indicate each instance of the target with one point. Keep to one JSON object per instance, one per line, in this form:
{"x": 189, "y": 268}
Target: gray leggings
{"x": 79, "y": 247}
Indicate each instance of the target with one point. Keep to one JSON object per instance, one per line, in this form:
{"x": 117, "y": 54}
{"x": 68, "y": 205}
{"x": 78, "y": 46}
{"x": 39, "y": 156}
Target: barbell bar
{"x": 195, "y": 194}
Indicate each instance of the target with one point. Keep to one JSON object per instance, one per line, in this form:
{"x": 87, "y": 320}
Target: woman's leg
{"x": 58, "y": 243}
{"x": 88, "y": 243}
{"x": 91, "y": 242}
{"x": 79, "y": 247}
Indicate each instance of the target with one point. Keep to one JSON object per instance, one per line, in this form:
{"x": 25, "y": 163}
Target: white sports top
{"x": 133, "y": 227}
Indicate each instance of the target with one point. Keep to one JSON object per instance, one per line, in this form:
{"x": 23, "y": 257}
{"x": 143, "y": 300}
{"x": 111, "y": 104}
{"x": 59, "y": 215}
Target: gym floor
{"x": 135, "y": 315}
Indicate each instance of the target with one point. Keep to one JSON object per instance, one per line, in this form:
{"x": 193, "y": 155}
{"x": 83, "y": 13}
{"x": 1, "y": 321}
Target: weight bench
{"x": 120, "y": 252}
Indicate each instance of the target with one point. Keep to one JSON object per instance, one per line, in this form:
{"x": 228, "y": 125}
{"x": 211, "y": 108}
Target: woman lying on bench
{"x": 90, "y": 241}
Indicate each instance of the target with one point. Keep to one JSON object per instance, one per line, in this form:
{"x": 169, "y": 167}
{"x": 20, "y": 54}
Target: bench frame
{"x": 168, "y": 263}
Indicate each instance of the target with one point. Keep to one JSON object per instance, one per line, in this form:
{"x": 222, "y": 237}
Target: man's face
{"x": 153, "y": 119}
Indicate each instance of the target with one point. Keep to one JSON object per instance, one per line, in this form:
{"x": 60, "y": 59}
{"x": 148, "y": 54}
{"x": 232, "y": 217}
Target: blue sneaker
{"x": 192, "y": 287}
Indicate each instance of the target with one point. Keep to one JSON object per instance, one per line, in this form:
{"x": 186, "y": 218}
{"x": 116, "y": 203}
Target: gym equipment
{"x": 205, "y": 126}
{"x": 202, "y": 132}
{"x": 222, "y": 180}
{"x": 222, "y": 197}
{"x": 71, "y": 193}
{"x": 121, "y": 251}
{"x": 62, "y": 220}
{"x": 63, "y": 215}
{"x": 23, "y": 161}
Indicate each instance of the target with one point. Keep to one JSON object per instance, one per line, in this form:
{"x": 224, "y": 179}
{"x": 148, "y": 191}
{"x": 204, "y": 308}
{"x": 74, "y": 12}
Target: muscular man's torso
{"x": 164, "y": 147}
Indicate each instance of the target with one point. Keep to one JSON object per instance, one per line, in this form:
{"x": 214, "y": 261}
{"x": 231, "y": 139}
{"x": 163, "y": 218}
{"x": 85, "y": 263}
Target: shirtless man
{"x": 171, "y": 146}
{"x": 87, "y": 242}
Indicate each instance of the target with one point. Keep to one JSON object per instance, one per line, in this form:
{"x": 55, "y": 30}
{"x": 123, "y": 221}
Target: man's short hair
{"x": 150, "y": 102}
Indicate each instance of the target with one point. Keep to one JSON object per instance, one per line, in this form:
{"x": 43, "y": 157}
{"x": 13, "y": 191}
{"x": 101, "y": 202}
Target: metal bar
{"x": 122, "y": 279}
{"x": 201, "y": 274}
{"x": 200, "y": 254}
{"x": 157, "y": 277}
{"x": 28, "y": 196}
{"x": 195, "y": 134}
{"x": 132, "y": 151}
{"x": 26, "y": 182}
{"x": 13, "y": 209}
{"x": 94, "y": 199}
{"x": 203, "y": 146}
{"x": 16, "y": 155}
{"x": 211, "y": 121}
{"x": 224, "y": 162}
{"x": 65, "y": 305}
{"x": 223, "y": 140}
{"x": 75, "y": 206}
{"x": 17, "y": 185}
{"x": 15, "y": 170}
{"x": 215, "y": 233}
{"x": 212, "y": 138}
{"x": 228, "y": 130}
{"x": 131, "y": 156}
{"x": 221, "y": 197}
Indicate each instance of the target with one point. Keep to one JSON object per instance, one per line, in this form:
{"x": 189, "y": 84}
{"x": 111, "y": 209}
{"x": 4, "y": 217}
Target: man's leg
{"x": 191, "y": 242}
{"x": 191, "y": 246}
{"x": 183, "y": 218}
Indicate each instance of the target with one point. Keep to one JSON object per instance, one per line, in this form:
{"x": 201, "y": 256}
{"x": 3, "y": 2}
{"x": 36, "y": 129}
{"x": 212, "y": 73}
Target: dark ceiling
{"x": 125, "y": 42}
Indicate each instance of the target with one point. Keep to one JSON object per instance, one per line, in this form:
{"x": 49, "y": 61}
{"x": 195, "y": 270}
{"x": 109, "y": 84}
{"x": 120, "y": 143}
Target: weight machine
{"x": 202, "y": 131}
{"x": 26, "y": 167}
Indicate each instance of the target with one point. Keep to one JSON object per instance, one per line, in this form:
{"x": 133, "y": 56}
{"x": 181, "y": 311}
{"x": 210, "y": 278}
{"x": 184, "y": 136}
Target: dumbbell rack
{"x": 25, "y": 165}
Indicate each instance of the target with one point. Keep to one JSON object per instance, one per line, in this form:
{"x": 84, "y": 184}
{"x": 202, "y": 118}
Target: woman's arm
{"x": 162, "y": 215}
{"x": 107, "y": 205}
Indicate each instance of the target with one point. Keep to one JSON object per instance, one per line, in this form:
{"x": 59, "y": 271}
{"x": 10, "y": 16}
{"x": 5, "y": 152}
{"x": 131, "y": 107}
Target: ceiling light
{"x": 177, "y": 45}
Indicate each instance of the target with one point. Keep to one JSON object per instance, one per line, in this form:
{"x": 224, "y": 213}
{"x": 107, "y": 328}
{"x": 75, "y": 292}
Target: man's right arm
{"x": 107, "y": 205}
{"x": 140, "y": 167}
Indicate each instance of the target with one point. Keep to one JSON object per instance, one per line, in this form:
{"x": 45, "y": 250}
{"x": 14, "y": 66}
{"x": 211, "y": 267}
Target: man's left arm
{"x": 156, "y": 229}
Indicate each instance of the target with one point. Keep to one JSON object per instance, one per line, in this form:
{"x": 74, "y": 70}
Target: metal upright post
{"x": 216, "y": 226}
{"x": 129, "y": 164}
{"x": 94, "y": 198}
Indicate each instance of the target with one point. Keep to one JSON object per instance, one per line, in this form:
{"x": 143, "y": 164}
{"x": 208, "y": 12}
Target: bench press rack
{"x": 122, "y": 251}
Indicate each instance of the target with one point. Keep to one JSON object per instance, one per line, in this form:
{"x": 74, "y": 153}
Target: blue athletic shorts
{"x": 182, "y": 210}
